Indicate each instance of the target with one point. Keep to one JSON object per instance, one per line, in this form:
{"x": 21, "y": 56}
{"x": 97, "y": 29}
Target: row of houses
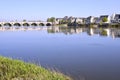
{"x": 115, "y": 18}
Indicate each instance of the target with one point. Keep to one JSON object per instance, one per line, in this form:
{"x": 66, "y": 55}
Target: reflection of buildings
{"x": 114, "y": 33}
{"x": 79, "y": 30}
{"x": 72, "y": 30}
{"x": 108, "y": 32}
{"x": 93, "y": 31}
{"x": 65, "y": 30}
{"x": 55, "y": 29}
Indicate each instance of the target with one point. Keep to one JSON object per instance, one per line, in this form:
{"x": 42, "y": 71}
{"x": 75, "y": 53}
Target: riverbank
{"x": 18, "y": 70}
{"x": 113, "y": 25}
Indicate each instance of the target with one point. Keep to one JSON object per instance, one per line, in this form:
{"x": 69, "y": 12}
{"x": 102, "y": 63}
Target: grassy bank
{"x": 18, "y": 70}
{"x": 62, "y": 25}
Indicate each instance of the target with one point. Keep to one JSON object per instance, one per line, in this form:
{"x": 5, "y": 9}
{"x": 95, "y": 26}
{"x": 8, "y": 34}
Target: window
{"x": 119, "y": 16}
{"x": 119, "y": 21}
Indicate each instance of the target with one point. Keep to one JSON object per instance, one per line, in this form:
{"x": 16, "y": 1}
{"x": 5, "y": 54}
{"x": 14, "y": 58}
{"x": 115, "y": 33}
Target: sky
{"x": 42, "y": 9}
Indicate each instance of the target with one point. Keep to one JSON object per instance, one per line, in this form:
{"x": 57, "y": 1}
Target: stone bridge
{"x": 25, "y": 24}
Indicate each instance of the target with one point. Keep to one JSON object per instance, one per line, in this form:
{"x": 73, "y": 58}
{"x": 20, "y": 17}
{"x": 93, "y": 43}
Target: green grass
{"x": 62, "y": 25}
{"x": 18, "y": 70}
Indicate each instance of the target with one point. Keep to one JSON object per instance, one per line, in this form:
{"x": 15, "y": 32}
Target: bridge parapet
{"x": 21, "y": 23}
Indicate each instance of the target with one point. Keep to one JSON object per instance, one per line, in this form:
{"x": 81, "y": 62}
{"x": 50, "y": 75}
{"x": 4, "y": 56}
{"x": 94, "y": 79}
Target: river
{"x": 82, "y": 53}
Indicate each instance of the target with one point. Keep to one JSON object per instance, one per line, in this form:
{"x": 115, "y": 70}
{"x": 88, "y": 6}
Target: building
{"x": 58, "y": 20}
{"x": 115, "y": 18}
{"x": 79, "y": 20}
{"x": 90, "y": 20}
{"x": 101, "y": 19}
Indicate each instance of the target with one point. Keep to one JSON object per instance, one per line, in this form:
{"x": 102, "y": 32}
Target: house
{"x": 90, "y": 20}
{"x": 101, "y": 19}
{"x": 58, "y": 20}
{"x": 65, "y": 18}
{"x": 71, "y": 19}
{"x": 79, "y": 20}
{"x": 115, "y": 18}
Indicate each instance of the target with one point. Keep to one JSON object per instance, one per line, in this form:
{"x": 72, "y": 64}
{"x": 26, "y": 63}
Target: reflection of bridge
{"x": 25, "y": 23}
{"x": 24, "y": 28}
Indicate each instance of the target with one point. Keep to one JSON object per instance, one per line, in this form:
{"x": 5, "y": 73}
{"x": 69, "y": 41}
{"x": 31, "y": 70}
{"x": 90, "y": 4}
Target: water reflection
{"x": 113, "y": 32}
{"x": 110, "y": 32}
{"x": 75, "y": 51}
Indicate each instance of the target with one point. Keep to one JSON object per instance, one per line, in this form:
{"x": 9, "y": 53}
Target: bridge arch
{"x": 17, "y": 24}
{"x": 34, "y": 24}
{"x": 41, "y": 24}
{"x": 48, "y": 24}
{"x": 7, "y": 24}
{"x": 0, "y": 25}
{"x": 26, "y": 24}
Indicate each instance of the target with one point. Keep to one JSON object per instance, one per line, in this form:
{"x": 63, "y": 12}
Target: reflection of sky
{"x": 92, "y": 57}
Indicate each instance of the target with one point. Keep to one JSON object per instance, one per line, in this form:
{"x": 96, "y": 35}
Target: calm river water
{"x": 82, "y": 53}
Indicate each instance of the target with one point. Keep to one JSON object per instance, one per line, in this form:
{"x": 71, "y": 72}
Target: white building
{"x": 115, "y": 18}
{"x": 90, "y": 20}
{"x": 77, "y": 20}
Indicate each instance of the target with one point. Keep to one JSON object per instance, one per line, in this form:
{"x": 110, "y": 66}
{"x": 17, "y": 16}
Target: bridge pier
{"x": 25, "y": 24}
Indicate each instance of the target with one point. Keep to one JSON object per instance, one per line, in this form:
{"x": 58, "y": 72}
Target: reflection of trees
{"x": 53, "y": 29}
{"x": 115, "y": 33}
{"x": 65, "y": 30}
{"x": 104, "y": 32}
{"x": 50, "y": 31}
{"x": 90, "y": 31}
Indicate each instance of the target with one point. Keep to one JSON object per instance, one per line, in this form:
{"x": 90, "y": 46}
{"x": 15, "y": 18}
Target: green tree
{"x": 24, "y": 20}
{"x": 62, "y": 21}
{"x": 104, "y": 33}
{"x": 48, "y": 20}
{"x": 104, "y": 19}
{"x": 52, "y": 19}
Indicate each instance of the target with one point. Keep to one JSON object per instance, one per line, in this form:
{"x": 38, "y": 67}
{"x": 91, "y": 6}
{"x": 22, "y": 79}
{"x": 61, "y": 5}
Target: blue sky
{"x": 41, "y": 9}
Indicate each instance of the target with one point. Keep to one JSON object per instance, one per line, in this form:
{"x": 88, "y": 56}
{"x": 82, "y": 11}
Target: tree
{"x": 104, "y": 19}
{"x": 48, "y": 20}
{"x": 24, "y": 20}
{"x": 62, "y": 21}
{"x": 52, "y": 19}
